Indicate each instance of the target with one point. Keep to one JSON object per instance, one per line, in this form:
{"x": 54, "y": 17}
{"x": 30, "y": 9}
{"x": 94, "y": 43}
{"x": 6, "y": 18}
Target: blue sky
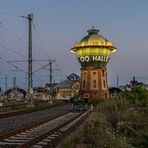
{"x": 60, "y": 23}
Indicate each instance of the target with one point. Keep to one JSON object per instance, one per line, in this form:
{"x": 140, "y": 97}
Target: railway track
{"x": 11, "y": 122}
{"x": 43, "y": 135}
{"x": 6, "y": 115}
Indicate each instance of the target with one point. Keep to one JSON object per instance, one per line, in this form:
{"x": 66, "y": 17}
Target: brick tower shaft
{"x": 93, "y": 83}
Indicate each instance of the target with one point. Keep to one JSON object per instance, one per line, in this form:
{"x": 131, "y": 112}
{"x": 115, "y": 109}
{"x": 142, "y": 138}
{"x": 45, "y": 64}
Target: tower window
{"x": 104, "y": 84}
{"x": 94, "y": 84}
{"x": 94, "y": 96}
{"x": 105, "y": 95}
{"x": 84, "y": 84}
{"x": 103, "y": 73}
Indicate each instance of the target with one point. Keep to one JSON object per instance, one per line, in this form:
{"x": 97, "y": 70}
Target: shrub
{"x": 96, "y": 133}
{"x": 94, "y": 102}
{"x": 138, "y": 96}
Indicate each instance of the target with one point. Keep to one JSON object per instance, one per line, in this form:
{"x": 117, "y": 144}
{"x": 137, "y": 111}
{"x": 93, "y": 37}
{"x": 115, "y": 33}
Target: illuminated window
{"x": 84, "y": 84}
{"x": 94, "y": 83}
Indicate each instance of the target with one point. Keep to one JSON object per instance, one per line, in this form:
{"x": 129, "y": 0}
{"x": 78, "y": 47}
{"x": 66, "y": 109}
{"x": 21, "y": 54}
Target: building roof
{"x": 15, "y": 89}
{"x": 69, "y": 82}
{"x": 39, "y": 89}
{"x": 50, "y": 84}
{"x": 66, "y": 84}
{"x": 73, "y": 76}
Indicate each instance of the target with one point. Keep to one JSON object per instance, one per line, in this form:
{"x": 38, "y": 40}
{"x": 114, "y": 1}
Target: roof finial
{"x": 93, "y": 30}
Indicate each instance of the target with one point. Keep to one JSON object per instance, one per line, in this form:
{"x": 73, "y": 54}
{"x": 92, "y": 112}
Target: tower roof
{"x": 94, "y": 44}
{"x": 93, "y": 37}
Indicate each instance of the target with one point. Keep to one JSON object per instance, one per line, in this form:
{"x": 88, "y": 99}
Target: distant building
{"x": 132, "y": 83}
{"x": 41, "y": 93}
{"x": 15, "y": 93}
{"x": 135, "y": 82}
{"x": 69, "y": 87}
{"x": 113, "y": 91}
{"x": 51, "y": 89}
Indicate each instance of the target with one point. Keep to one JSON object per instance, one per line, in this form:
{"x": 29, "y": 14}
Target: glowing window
{"x": 84, "y": 84}
{"x": 94, "y": 83}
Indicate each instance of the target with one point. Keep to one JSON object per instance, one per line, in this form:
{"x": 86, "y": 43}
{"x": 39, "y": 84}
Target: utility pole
{"x": 14, "y": 88}
{"x": 30, "y": 54}
{"x": 14, "y": 82}
{"x": 30, "y": 84}
{"x": 117, "y": 81}
{"x": 50, "y": 72}
{"x": 50, "y": 77}
{"x": 6, "y": 85}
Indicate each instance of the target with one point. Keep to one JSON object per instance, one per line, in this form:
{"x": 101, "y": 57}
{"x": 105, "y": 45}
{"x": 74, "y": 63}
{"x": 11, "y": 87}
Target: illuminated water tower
{"x": 93, "y": 53}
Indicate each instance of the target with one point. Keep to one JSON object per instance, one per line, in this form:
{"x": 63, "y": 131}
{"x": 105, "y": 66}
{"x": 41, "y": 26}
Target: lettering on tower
{"x": 93, "y": 58}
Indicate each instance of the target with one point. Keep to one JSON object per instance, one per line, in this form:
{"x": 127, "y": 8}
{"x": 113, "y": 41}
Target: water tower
{"x": 93, "y": 53}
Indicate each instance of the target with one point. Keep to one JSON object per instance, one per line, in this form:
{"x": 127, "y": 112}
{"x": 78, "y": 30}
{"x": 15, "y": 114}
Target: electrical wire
{"x": 12, "y": 51}
{"x": 45, "y": 52}
{"x": 13, "y": 34}
{"x": 16, "y": 67}
{"x": 20, "y": 39}
{"x": 10, "y": 14}
{"x": 40, "y": 68}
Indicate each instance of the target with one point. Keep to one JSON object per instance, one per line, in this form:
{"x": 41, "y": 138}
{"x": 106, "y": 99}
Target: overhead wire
{"x": 20, "y": 39}
{"x": 13, "y": 51}
{"x": 40, "y": 68}
{"x": 45, "y": 52}
{"x": 16, "y": 67}
{"x": 43, "y": 48}
{"x": 12, "y": 33}
{"x": 10, "y": 14}
{"x": 9, "y": 49}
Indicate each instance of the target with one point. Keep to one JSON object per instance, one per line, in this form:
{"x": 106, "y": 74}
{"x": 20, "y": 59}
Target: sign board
{"x": 86, "y": 95}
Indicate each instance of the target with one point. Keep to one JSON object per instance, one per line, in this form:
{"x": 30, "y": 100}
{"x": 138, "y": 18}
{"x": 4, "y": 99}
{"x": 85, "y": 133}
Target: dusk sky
{"x": 58, "y": 24}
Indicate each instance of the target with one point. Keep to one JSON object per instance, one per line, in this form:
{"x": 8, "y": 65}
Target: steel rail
{"x": 48, "y": 133}
{"x": 17, "y": 131}
{"x": 7, "y": 115}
